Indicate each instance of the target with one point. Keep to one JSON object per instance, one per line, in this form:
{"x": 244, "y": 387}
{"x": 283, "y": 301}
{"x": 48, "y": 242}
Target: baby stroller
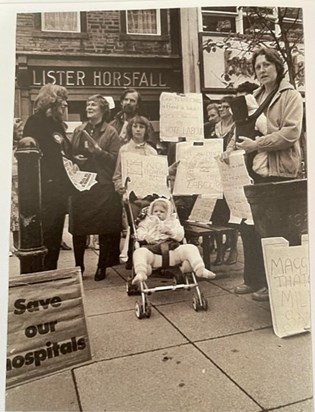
{"x": 186, "y": 280}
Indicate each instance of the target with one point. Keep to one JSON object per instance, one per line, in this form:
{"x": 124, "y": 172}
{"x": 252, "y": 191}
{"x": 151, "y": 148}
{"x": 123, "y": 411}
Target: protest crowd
{"x": 270, "y": 145}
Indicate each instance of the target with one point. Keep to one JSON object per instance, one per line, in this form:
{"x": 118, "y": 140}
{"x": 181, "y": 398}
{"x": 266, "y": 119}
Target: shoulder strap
{"x": 264, "y": 104}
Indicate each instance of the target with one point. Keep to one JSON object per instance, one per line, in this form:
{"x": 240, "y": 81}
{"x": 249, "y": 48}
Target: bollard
{"x": 31, "y": 250}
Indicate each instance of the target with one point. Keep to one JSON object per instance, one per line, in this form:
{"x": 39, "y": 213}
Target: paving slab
{"x": 176, "y": 379}
{"x": 52, "y": 393}
{"x": 122, "y": 333}
{"x": 273, "y": 371}
{"x": 107, "y": 299}
{"x": 112, "y": 279}
{"x": 304, "y": 406}
{"x": 227, "y": 314}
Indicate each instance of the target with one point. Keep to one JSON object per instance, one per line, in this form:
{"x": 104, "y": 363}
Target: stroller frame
{"x": 143, "y": 306}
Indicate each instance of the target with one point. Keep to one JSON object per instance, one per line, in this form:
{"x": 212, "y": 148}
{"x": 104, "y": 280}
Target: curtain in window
{"x": 61, "y": 21}
{"x": 142, "y": 21}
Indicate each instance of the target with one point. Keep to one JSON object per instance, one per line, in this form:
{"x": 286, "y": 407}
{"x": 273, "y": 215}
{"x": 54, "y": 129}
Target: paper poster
{"x": 181, "y": 115}
{"x": 198, "y": 172}
{"x": 46, "y": 324}
{"x": 234, "y": 177}
{"x": 288, "y": 277}
{"x": 147, "y": 174}
{"x": 202, "y": 209}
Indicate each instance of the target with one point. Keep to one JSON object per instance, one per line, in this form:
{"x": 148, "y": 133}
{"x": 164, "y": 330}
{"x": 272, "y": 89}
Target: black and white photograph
{"x": 157, "y": 199}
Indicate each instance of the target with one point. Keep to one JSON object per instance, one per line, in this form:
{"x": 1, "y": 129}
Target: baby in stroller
{"x": 160, "y": 234}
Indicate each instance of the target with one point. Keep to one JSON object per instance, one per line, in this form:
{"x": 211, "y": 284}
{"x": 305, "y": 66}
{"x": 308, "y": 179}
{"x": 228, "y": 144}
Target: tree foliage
{"x": 279, "y": 28}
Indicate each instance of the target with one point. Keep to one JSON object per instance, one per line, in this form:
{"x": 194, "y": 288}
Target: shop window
{"x": 68, "y": 22}
{"x": 144, "y": 24}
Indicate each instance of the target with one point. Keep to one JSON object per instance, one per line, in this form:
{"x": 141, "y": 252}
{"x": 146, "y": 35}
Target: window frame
{"x": 76, "y": 31}
{"x": 163, "y": 36}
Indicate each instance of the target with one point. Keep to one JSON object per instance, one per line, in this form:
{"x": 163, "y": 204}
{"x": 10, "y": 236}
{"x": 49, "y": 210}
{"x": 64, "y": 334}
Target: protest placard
{"x": 181, "y": 115}
{"x": 47, "y": 329}
{"x": 287, "y": 271}
{"x": 147, "y": 174}
{"x": 202, "y": 209}
{"x": 234, "y": 177}
{"x": 198, "y": 172}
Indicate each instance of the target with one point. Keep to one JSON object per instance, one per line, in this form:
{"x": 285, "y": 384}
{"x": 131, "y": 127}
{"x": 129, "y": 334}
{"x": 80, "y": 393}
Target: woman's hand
{"x": 122, "y": 190}
{"x": 247, "y": 144}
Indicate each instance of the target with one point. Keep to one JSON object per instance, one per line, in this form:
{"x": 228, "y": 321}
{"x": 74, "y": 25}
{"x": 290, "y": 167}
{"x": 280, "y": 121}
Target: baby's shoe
{"x": 205, "y": 273}
{"x": 140, "y": 277}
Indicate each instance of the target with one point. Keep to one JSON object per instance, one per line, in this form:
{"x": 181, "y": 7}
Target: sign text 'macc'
{"x": 98, "y": 77}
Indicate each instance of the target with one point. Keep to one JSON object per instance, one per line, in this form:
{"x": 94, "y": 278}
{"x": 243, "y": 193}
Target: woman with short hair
{"x": 95, "y": 145}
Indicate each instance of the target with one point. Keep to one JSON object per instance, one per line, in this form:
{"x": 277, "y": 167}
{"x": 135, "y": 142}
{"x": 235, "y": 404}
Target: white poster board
{"x": 46, "y": 324}
{"x": 287, "y": 271}
{"x": 202, "y": 209}
{"x": 147, "y": 174}
{"x": 234, "y": 177}
{"x": 181, "y": 115}
{"x": 198, "y": 172}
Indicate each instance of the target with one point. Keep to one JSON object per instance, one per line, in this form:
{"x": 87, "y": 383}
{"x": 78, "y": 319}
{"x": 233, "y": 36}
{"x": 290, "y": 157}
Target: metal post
{"x": 31, "y": 251}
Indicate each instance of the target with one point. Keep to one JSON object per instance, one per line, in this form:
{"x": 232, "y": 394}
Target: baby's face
{"x": 159, "y": 211}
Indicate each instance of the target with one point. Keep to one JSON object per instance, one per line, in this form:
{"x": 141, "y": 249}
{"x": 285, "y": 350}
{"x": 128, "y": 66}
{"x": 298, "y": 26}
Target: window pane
{"x": 218, "y": 24}
{"x": 291, "y": 12}
{"x": 220, "y": 9}
{"x": 64, "y": 22}
{"x": 142, "y": 22}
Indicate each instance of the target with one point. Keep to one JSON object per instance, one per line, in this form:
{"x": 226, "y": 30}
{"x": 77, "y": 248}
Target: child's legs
{"x": 191, "y": 254}
{"x": 144, "y": 260}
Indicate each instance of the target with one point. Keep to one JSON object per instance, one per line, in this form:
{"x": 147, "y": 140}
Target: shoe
{"x": 64, "y": 246}
{"x": 243, "y": 289}
{"x": 128, "y": 264}
{"x": 262, "y": 295}
{"x": 100, "y": 274}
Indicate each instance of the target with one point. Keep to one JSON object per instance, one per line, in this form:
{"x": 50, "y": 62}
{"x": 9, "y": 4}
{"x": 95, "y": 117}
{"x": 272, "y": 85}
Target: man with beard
{"x": 130, "y": 102}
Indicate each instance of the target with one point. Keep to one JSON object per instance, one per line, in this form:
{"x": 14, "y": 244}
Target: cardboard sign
{"x": 46, "y": 324}
{"x": 181, "y": 115}
{"x": 234, "y": 177}
{"x": 287, "y": 270}
{"x": 198, "y": 172}
{"x": 202, "y": 209}
{"x": 147, "y": 174}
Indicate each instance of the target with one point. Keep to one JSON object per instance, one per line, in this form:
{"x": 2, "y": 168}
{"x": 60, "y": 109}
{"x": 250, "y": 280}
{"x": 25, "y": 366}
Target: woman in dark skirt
{"x": 96, "y": 211}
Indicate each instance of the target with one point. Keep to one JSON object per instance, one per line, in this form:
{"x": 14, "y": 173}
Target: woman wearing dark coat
{"x": 43, "y": 125}
{"x": 98, "y": 210}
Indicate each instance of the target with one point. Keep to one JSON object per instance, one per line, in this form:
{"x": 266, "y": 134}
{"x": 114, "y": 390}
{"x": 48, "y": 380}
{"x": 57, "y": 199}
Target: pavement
{"x": 226, "y": 359}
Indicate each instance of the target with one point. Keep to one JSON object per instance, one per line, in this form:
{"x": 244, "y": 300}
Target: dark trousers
{"x": 254, "y": 269}
{"x": 109, "y": 250}
{"x": 53, "y": 217}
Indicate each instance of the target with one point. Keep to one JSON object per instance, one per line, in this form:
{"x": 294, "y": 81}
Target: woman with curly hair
{"x": 44, "y": 126}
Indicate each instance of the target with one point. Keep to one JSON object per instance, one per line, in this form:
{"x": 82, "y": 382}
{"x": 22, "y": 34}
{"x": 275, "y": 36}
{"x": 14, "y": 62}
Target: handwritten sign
{"x": 46, "y": 324}
{"x": 287, "y": 270}
{"x": 234, "y": 177}
{"x": 202, "y": 209}
{"x": 198, "y": 172}
{"x": 181, "y": 115}
{"x": 147, "y": 174}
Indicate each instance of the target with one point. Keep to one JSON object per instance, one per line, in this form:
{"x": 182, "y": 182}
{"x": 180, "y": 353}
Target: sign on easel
{"x": 287, "y": 271}
{"x": 47, "y": 330}
{"x": 198, "y": 172}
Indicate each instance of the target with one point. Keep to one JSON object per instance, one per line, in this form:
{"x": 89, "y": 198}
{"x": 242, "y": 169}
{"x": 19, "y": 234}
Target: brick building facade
{"x": 99, "y": 52}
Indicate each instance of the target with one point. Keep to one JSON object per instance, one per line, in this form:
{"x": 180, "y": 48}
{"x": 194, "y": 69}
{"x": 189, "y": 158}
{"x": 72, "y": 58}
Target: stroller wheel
{"x": 196, "y": 304}
{"x": 147, "y": 310}
{"x": 139, "y": 310}
{"x": 204, "y": 303}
